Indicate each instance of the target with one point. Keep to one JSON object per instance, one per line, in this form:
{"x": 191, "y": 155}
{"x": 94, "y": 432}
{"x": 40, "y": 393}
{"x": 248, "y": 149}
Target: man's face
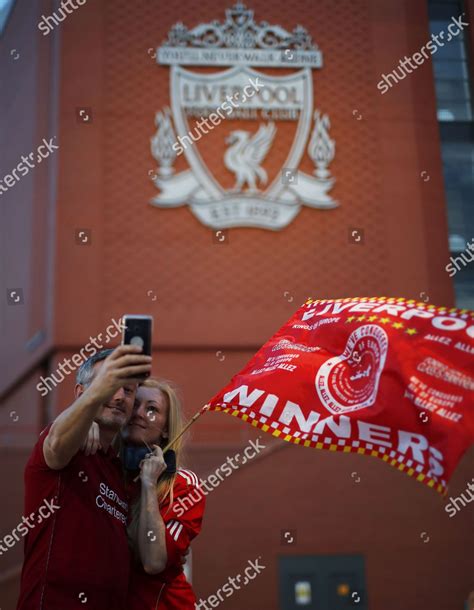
{"x": 116, "y": 412}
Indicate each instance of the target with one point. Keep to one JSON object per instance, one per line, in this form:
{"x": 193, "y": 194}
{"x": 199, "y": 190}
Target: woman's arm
{"x": 151, "y": 528}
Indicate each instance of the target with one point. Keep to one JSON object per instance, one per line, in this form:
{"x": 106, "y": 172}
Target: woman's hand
{"x": 152, "y": 467}
{"x": 92, "y": 442}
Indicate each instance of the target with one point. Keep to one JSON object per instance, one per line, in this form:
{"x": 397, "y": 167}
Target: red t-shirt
{"x": 170, "y": 590}
{"x": 78, "y": 556}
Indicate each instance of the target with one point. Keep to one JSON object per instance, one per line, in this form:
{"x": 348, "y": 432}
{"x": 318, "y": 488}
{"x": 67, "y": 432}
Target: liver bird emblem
{"x": 245, "y": 155}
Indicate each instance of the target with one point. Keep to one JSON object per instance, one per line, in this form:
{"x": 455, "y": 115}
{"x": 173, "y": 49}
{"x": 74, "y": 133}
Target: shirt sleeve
{"x": 183, "y": 519}
{"x": 36, "y": 460}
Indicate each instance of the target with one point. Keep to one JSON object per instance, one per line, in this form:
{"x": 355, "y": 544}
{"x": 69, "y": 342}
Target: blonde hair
{"x": 174, "y": 426}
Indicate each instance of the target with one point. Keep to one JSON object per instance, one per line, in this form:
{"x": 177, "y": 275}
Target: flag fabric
{"x": 386, "y": 377}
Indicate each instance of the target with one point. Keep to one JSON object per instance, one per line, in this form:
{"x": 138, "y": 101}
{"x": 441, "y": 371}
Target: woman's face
{"x": 149, "y": 421}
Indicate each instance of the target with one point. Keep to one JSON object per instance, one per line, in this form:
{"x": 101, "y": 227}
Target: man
{"x": 78, "y": 556}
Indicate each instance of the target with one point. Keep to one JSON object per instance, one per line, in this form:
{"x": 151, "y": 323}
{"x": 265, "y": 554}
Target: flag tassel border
{"x": 423, "y": 478}
{"x": 438, "y": 309}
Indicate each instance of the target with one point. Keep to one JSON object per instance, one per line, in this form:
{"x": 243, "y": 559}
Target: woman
{"x": 167, "y": 509}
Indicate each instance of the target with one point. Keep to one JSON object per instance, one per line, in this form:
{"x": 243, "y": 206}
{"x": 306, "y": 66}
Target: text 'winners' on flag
{"x": 387, "y": 377}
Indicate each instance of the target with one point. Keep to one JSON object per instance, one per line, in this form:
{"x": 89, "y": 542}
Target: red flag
{"x": 379, "y": 376}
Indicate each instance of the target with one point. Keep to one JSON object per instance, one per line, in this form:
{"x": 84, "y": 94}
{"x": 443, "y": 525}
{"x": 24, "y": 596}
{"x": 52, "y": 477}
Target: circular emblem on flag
{"x": 350, "y": 381}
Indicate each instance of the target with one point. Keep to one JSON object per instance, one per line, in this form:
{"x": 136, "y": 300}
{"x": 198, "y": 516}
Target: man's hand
{"x": 124, "y": 365}
{"x": 152, "y": 467}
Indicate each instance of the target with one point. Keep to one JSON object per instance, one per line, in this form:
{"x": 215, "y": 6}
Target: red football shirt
{"x": 170, "y": 590}
{"x": 77, "y": 557}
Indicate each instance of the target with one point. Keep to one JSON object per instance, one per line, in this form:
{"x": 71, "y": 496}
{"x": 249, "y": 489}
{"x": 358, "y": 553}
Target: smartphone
{"x": 138, "y": 330}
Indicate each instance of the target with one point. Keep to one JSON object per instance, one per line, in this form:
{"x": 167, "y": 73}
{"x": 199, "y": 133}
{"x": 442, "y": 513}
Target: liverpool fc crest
{"x": 242, "y": 131}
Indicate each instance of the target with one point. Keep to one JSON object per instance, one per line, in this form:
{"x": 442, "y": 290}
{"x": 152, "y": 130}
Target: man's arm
{"x": 68, "y": 431}
{"x": 70, "y": 428}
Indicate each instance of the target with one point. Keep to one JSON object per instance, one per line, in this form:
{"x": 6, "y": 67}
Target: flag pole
{"x": 188, "y": 425}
